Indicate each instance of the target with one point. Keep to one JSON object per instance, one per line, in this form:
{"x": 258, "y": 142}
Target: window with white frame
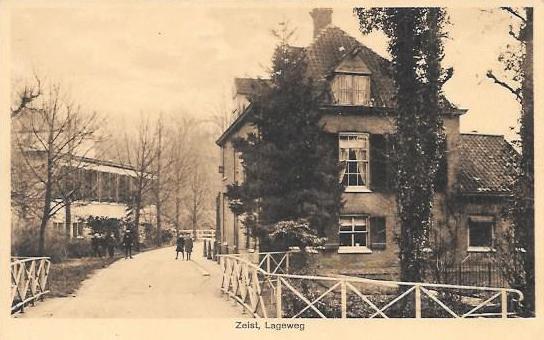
{"x": 354, "y": 152}
{"x": 77, "y": 229}
{"x": 353, "y": 234}
{"x": 351, "y": 89}
{"x": 481, "y": 230}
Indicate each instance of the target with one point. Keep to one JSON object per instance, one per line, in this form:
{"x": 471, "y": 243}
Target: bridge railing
{"x": 263, "y": 291}
{"x": 28, "y": 280}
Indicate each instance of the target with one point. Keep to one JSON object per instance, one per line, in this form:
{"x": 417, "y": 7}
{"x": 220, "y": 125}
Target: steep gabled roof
{"x": 486, "y": 164}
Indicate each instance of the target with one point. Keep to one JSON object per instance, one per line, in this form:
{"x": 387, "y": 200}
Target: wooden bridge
{"x": 263, "y": 285}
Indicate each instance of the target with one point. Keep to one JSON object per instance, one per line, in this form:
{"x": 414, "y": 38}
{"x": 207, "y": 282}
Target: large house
{"x": 472, "y": 191}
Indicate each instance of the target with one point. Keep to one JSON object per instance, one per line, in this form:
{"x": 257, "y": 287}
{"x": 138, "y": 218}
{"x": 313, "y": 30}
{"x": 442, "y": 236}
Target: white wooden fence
{"x": 28, "y": 280}
{"x": 262, "y": 285}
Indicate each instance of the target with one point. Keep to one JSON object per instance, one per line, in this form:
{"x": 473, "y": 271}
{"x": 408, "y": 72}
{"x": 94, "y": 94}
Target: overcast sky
{"x": 121, "y": 61}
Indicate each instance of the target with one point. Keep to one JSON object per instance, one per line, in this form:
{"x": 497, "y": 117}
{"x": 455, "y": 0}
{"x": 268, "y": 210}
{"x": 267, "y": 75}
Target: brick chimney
{"x": 322, "y": 17}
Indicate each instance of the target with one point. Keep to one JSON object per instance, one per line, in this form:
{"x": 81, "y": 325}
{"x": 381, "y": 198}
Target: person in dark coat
{"x": 110, "y": 244}
{"x": 101, "y": 244}
{"x": 94, "y": 245}
{"x": 189, "y": 247}
{"x": 127, "y": 243}
{"x": 180, "y": 243}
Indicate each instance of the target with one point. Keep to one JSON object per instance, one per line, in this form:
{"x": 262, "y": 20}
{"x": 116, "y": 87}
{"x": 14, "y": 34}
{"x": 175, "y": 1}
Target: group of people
{"x": 184, "y": 245}
{"x": 101, "y": 242}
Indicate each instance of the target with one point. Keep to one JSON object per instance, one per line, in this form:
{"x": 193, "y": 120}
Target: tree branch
{"x": 515, "y": 92}
{"x": 514, "y": 13}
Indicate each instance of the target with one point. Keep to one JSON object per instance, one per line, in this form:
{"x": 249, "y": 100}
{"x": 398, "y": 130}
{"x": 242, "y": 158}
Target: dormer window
{"x": 351, "y": 89}
{"x": 350, "y": 84}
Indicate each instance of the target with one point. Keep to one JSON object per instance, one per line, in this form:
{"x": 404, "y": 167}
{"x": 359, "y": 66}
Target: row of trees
{"x": 52, "y": 136}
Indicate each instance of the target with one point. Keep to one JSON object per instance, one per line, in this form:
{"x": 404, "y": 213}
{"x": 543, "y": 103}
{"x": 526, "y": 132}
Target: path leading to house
{"x": 151, "y": 285}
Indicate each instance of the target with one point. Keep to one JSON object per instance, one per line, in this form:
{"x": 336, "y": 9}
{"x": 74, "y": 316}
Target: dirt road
{"x": 151, "y": 285}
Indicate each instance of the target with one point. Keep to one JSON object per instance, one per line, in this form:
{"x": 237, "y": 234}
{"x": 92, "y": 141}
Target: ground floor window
{"x": 481, "y": 230}
{"x": 353, "y": 234}
{"x": 77, "y": 229}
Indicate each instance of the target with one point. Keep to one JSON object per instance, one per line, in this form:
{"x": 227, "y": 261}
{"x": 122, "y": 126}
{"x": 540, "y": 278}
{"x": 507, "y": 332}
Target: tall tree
{"x": 158, "y": 182}
{"x": 139, "y": 153}
{"x": 178, "y": 150}
{"x": 519, "y": 257}
{"x": 51, "y": 139}
{"x": 415, "y": 43}
{"x": 290, "y": 168}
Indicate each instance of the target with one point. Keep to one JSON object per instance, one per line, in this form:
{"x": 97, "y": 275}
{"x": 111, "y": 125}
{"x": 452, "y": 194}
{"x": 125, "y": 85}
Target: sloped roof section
{"x": 486, "y": 165}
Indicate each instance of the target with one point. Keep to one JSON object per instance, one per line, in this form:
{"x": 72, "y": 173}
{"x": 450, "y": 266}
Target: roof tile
{"x": 486, "y": 164}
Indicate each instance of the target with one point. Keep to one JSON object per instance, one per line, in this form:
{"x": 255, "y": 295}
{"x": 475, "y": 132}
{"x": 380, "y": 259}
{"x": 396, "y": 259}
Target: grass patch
{"x": 66, "y": 277}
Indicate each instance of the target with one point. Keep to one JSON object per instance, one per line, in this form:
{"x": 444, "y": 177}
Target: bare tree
{"x": 139, "y": 153}
{"x": 518, "y": 260}
{"x": 179, "y": 160}
{"x": 198, "y": 190}
{"x": 26, "y": 96}
{"x": 50, "y": 142}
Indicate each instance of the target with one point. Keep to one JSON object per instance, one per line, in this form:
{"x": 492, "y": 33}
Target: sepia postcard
{"x": 247, "y": 169}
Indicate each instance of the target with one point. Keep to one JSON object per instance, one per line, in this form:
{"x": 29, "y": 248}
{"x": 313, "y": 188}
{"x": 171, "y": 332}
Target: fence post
{"x": 504, "y": 304}
{"x": 418, "y": 302}
{"x": 344, "y": 298}
{"x": 204, "y": 248}
{"x": 489, "y": 274}
{"x": 278, "y": 299}
{"x": 287, "y": 262}
{"x": 268, "y": 263}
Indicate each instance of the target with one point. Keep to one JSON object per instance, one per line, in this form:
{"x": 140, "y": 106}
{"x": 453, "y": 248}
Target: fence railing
{"x": 28, "y": 280}
{"x": 267, "y": 289}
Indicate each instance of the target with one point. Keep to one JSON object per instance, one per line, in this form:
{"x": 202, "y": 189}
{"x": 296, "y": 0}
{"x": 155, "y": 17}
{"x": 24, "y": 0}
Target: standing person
{"x": 127, "y": 243}
{"x": 100, "y": 242}
{"x": 110, "y": 243}
{"x": 94, "y": 244}
{"x": 180, "y": 243}
{"x": 189, "y": 247}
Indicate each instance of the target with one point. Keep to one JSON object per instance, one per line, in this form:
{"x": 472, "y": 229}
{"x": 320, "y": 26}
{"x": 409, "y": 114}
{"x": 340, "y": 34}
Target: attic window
{"x": 351, "y": 89}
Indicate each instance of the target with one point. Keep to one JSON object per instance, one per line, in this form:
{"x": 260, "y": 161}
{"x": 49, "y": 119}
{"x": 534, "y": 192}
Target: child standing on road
{"x": 189, "y": 247}
{"x": 179, "y": 247}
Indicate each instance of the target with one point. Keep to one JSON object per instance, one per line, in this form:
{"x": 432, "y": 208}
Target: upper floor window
{"x": 351, "y": 89}
{"x": 354, "y": 152}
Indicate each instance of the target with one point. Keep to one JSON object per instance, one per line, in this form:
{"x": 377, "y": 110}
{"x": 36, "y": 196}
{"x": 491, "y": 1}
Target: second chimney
{"x": 322, "y": 17}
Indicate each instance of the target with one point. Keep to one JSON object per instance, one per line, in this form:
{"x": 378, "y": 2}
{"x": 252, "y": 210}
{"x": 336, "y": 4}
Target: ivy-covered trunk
{"x": 416, "y": 48}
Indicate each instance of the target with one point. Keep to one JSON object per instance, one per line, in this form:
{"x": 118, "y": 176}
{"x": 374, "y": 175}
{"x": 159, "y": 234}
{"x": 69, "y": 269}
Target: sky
{"x": 123, "y": 61}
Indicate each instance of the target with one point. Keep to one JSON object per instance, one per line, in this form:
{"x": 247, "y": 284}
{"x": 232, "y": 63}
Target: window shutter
{"x": 378, "y": 163}
{"x": 377, "y": 233}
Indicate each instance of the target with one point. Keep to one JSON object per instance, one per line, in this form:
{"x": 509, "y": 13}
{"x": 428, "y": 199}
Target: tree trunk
{"x": 176, "y": 220}
{"x": 68, "y": 217}
{"x": 526, "y": 182}
{"x": 137, "y": 207}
